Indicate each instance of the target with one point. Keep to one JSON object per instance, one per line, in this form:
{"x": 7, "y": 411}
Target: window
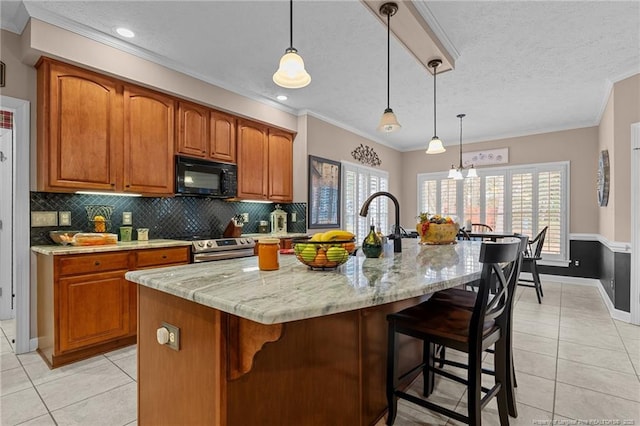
{"x": 521, "y": 199}
{"x": 358, "y": 182}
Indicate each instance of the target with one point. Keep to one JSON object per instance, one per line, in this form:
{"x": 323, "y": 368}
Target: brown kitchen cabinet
{"x": 265, "y": 163}
{"x": 85, "y": 304}
{"x": 206, "y": 133}
{"x": 148, "y": 141}
{"x": 98, "y": 133}
{"x": 79, "y": 128}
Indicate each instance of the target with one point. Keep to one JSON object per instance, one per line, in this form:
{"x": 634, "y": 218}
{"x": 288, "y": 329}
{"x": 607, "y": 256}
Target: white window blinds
{"x": 358, "y": 183}
{"x": 521, "y": 199}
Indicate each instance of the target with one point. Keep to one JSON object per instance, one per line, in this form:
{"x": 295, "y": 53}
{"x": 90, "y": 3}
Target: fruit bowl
{"x": 63, "y": 237}
{"x": 323, "y": 254}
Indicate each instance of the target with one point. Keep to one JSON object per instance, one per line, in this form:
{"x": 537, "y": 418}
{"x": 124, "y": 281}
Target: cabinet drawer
{"x": 165, "y": 256}
{"x": 90, "y": 263}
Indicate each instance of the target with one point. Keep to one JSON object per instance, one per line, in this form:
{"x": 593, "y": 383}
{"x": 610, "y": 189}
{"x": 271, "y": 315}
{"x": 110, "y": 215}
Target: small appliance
{"x": 206, "y": 249}
{"x": 205, "y": 178}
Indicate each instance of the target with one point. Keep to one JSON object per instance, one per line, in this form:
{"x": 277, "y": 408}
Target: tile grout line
{"x": 120, "y": 368}
{"x": 37, "y": 393}
{"x": 555, "y": 379}
{"x": 637, "y": 373}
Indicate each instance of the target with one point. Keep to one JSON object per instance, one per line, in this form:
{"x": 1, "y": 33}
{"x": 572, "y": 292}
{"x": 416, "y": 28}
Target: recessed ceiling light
{"x": 282, "y": 97}
{"x": 125, "y": 32}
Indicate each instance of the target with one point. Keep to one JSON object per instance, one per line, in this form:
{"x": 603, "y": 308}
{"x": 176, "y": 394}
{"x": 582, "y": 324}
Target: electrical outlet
{"x": 576, "y": 263}
{"x": 126, "y": 218}
{"x": 64, "y": 218}
{"x": 293, "y": 217}
{"x": 44, "y": 219}
{"x": 174, "y": 336}
{"x": 245, "y": 217}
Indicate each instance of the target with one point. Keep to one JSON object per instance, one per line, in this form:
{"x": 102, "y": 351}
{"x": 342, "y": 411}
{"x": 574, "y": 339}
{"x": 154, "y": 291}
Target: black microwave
{"x": 205, "y": 178}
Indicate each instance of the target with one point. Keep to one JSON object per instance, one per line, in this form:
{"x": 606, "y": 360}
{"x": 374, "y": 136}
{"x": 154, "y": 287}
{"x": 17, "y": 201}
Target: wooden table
{"x": 489, "y": 236}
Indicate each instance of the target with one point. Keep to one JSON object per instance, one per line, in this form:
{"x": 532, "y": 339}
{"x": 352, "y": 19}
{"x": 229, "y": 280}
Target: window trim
{"x": 561, "y": 259}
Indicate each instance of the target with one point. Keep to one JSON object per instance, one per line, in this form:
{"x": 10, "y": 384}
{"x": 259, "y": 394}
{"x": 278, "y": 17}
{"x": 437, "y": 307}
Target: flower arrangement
{"x": 436, "y": 229}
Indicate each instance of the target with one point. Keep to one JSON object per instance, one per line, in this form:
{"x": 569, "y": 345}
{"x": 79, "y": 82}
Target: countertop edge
{"x": 56, "y": 250}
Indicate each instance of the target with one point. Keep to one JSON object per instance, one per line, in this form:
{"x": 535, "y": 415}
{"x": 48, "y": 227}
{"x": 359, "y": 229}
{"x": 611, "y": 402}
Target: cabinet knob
{"x": 127, "y": 186}
{"x": 113, "y": 184}
{"x": 97, "y": 263}
{"x": 164, "y": 256}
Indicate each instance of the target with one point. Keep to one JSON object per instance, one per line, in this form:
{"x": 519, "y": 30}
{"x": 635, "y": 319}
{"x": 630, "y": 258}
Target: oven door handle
{"x": 221, "y": 255}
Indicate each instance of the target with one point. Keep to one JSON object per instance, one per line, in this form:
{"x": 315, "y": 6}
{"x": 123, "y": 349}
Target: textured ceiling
{"x": 522, "y": 67}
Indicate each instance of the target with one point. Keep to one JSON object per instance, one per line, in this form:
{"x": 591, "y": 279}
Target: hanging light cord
{"x": 435, "y": 133}
{"x": 388, "y": 53}
{"x": 291, "y": 24}
{"x": 461, "y": 116}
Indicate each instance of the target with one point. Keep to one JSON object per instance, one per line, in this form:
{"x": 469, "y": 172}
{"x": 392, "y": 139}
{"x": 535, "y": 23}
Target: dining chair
{"x": 531, "y": 258}
{"x": 469, "y": 331}
{"x": 466, "y": 299}
{"x": 480, "y": 227}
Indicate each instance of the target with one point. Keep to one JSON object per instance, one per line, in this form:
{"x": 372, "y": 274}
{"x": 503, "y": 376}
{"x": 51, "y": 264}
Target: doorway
{"x": 14, "y": 228}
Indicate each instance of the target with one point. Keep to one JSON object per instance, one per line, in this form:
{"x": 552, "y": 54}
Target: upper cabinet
{"x": 265, "y": 163}
{"x": 206, "y": 133}
{"x": 97, "y": 133}
{"x": 148, "y": 141}
{"x": 79, "y": 129}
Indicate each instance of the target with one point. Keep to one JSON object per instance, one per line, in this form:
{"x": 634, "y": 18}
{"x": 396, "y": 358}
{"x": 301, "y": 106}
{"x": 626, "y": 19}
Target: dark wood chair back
{"x": 535, "y": 246}
{"x": 480, "y": 227}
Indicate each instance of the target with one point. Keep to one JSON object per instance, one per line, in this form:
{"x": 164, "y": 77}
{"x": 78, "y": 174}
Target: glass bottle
{"x": 372, "y": 244}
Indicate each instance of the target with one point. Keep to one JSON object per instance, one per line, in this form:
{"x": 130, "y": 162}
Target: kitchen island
{"x": 285, "y": 347}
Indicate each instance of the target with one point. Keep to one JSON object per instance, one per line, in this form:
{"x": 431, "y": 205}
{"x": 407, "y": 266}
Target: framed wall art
{"x": 485, "y": 158}
{"x": 324, "y": 193}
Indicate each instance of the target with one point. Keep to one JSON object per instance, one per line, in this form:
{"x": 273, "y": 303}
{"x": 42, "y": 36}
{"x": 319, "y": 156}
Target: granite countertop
{"x": 133, "y": 245}
{"x": 287, "y": 235}
{"x": 295, "y": 292}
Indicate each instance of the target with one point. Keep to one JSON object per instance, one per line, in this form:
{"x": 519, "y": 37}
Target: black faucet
{"x": 397, "y": 238}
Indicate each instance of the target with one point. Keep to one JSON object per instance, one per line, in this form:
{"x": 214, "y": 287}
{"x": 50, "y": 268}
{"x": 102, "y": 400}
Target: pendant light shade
{"x": 435, "y": 145}
{"x": 472, "y": 172}
{"x": 291, "y": 73}
{"x": 388, "y": 121}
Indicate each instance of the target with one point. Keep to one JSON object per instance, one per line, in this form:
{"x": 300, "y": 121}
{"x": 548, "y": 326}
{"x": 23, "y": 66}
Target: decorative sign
{"x": 366, "y": 155}
{"x": 485, "y": 158}
{"x": 324, "y": 193}
{"x": 603, "y": 178}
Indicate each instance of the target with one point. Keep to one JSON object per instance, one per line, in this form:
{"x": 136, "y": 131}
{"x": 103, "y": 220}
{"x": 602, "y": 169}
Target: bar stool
{"x": 469, "y": 331}
{"x": 466, "y": 299}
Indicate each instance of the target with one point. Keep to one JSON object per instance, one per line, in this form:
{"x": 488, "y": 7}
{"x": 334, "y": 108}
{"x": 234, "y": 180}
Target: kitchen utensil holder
{"x": 97, "y": 210}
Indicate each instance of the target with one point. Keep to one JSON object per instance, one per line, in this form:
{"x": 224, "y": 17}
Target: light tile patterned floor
{"x": 572, "y": 360}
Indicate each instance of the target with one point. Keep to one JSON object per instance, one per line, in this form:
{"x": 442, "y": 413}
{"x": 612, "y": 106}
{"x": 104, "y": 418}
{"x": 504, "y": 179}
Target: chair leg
{"x": 474, "y": 378}
{"x": 511, "y": 374}
{"x": 442, "y": 355}
{"x": 428, "y": 376}
{"x": 392, "y": 379}
{"x": 501, "y": 367}
{"x": 536, "y": 281}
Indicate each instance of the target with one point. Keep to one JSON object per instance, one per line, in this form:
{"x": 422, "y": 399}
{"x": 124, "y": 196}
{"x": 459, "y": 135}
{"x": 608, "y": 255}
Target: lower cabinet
{"x": 85, "y": 304}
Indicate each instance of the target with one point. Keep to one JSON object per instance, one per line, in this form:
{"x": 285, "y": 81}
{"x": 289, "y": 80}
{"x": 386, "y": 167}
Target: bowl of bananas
{"x": 325, "y": 250}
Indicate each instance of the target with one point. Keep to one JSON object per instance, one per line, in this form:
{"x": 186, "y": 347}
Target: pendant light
{"x": 388, "y": 121}
{"x": 457, "y": 173}
{"x": 435, "y": 145}
{"x": 291, "y": 73}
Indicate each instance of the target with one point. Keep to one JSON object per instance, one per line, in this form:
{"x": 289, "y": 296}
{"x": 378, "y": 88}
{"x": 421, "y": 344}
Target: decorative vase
{"x": 372, "y": 244}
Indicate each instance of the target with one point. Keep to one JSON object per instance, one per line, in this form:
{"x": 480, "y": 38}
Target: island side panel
{"x": 310, "y": 376}
{"x": 185, "y": 387}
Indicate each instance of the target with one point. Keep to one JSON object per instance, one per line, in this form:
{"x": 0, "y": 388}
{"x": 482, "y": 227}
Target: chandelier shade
{"x": 388, "y": 121}
{"x": 435, "y": 145}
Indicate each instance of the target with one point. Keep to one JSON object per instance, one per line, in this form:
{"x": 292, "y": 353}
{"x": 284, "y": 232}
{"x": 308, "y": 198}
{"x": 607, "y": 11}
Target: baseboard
{"x": 33, "y": 344}
{"x": 616, "y": 314}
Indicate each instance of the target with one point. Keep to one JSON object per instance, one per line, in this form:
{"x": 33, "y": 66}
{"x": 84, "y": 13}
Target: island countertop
{"x": 294, "y": 292}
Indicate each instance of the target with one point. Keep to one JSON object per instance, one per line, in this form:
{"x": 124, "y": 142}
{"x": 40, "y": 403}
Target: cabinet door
{"x": 252, "y": 160}
{"x": 92, "y": 309}
{"x": 148, "y": 142}
{"x": 78, "y": 120}
{"x": 280, "y": 166}
{"x": 193, "y": 129}
{"x": 223, "y": 137}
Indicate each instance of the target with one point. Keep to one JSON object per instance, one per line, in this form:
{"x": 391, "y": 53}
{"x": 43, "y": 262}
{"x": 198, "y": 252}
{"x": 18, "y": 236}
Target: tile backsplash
{"x": 165, "y": 217}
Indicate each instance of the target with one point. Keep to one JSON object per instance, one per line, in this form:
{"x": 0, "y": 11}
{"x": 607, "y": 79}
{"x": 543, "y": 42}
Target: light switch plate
{"x": 126, "y": 218}
{"x": 293, "y": 217}
{"x": 44, "y": 219}
{"x": 64, "y": 218}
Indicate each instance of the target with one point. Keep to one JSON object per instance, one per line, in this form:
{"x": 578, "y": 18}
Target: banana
{"x": 317, "y": 237}
{"x": 337, "y": 235}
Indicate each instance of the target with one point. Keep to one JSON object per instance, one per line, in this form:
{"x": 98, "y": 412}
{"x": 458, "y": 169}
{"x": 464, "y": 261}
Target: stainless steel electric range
{"x": 206, "y": 249}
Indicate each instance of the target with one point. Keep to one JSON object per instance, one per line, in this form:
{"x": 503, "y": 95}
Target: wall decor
{"x": 486, "y": 158}
{"x": 366, "y": 155}
{"x": 2, "y": 73}
{"x": 602, "y": 186}
{"x": 324, "y": 193}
